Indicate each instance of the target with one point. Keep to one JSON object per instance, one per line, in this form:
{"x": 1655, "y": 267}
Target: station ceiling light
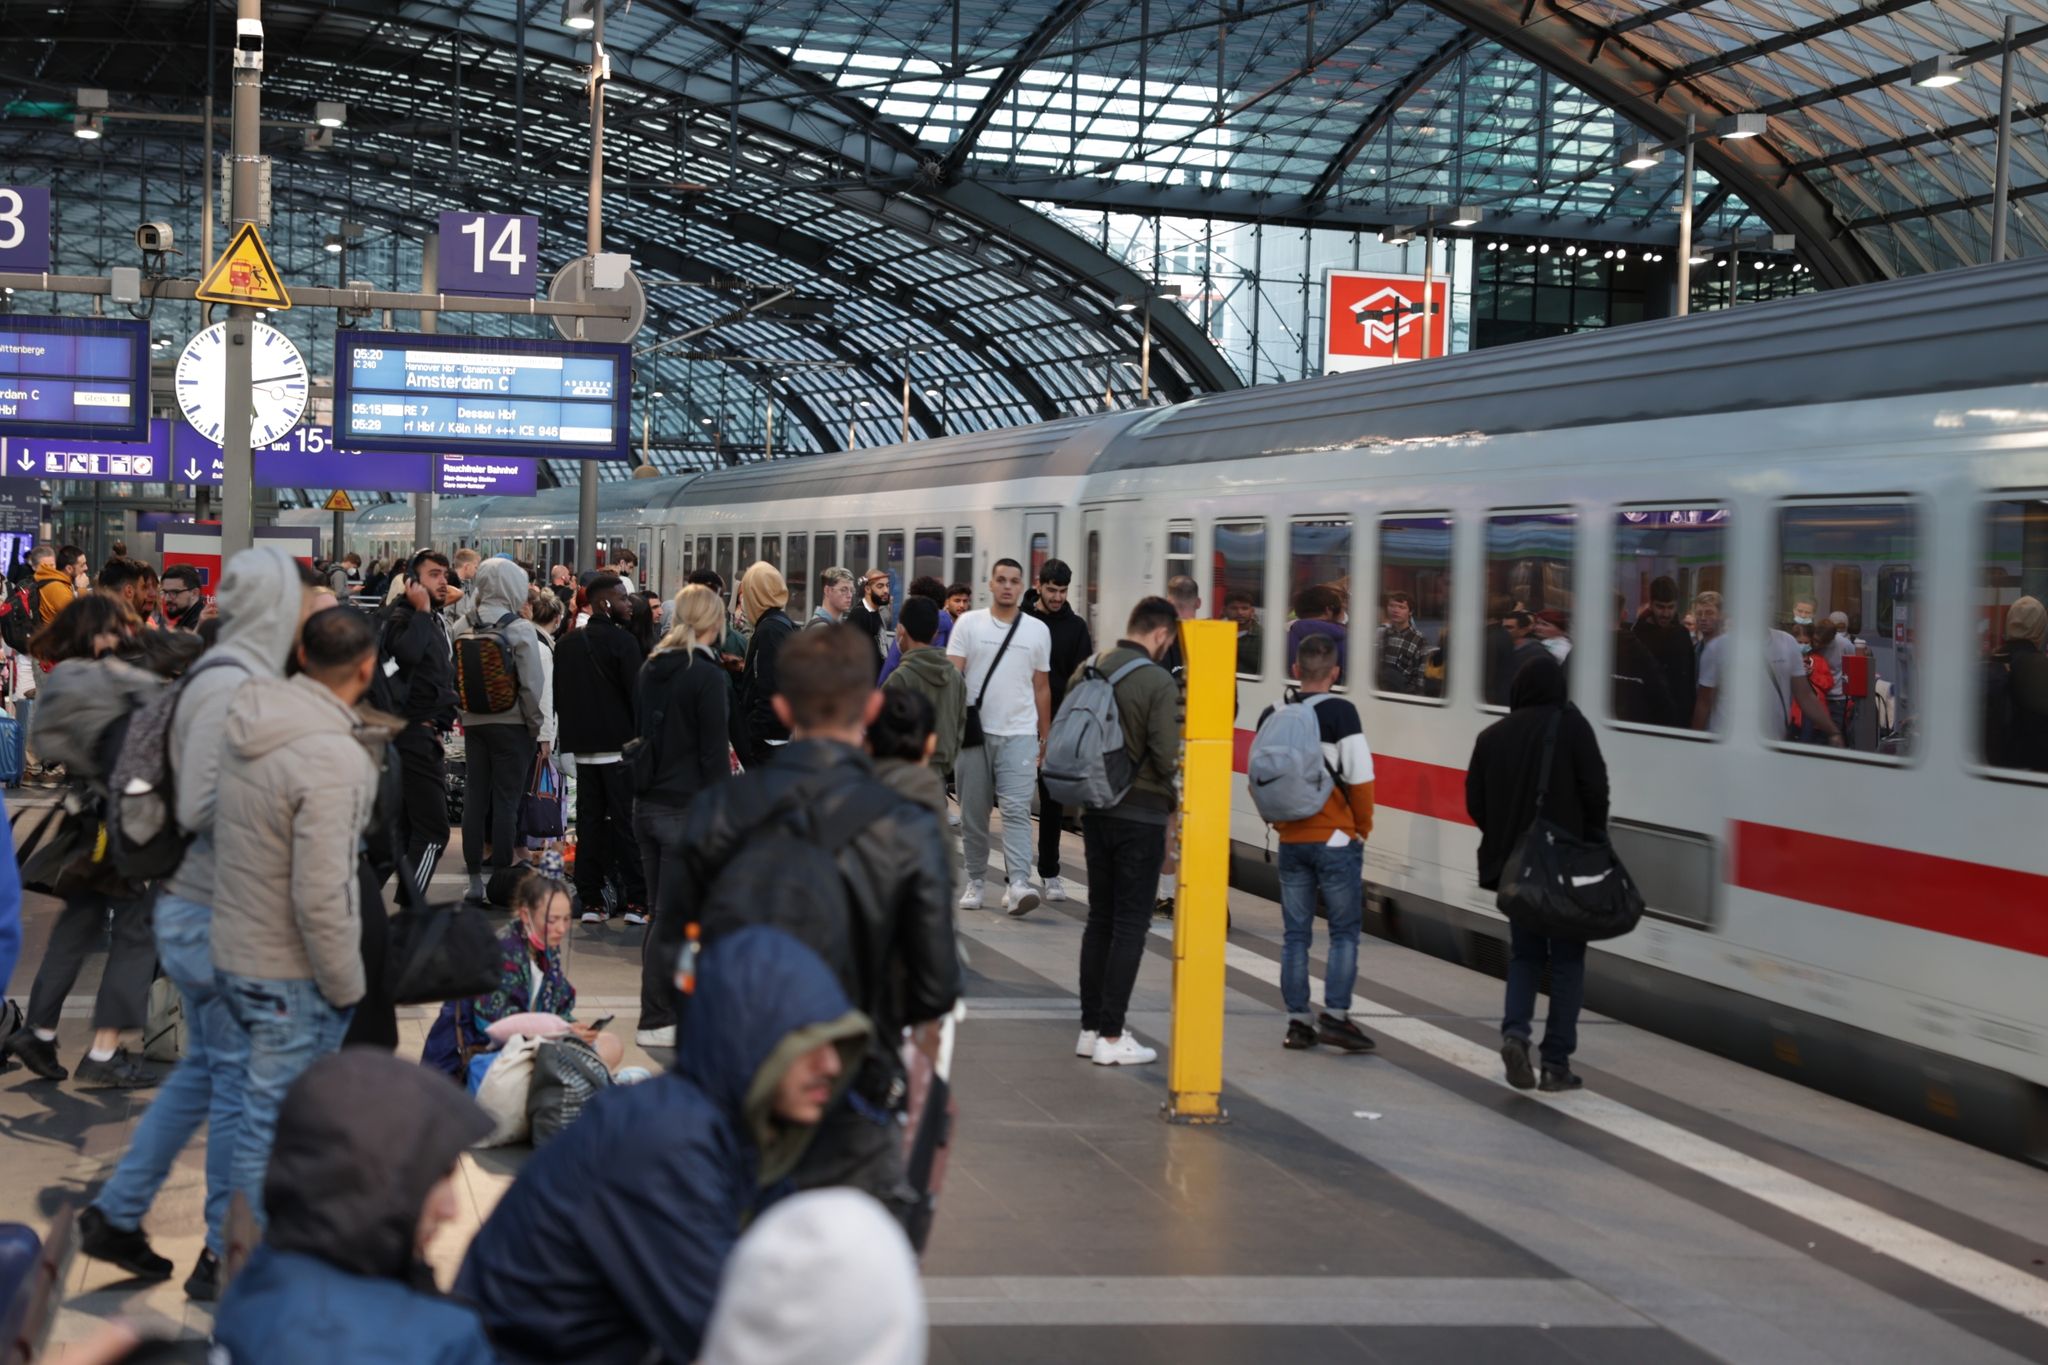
{"x": 330, "y": 113}
{"x": 1936, "y": 72}
{"x": 87, "y": 127}
{"x": 580, "y": 15}
{"x": 1466, "y": 215}
{"x": 1737, "y": 126}
{"x": 1397, "y": 236}
{"x": 332, "y": 244}
{"x": 1643, "y": 155}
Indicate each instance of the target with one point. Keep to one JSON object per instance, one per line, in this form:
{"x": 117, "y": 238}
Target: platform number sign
{"x": 25, "y": 228}
{"x": 494, "y": 254}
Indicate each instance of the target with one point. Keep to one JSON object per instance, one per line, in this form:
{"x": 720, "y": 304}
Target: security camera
{"x": 153, "y": 237}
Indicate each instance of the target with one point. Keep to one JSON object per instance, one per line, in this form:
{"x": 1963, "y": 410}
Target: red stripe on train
{"x": 1429, "y": 789}
{"x": 1985, "y": 904}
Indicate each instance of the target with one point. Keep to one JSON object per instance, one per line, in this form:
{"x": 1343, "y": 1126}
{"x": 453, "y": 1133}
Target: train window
{"x": 1668, "y": 564}
{"x": 704, "y": 560}
{"x": 824, "y": 555}
{"x": 1180, "y": 550}
{"x": 797, "y": 574}
{"x": 928, "y": 555}
{"x": 1415, "y": 571}
{"x": 1091, "y": 586}
{"x": 747, "y": 556}
{"x": 963, "y": 556}
{"x": 2010, "y": 619}
{"x": 856, "y": 554}
{"x": 1041, "y": 550}
{"x": 890, "y": 544}
{"x": 1240, "y": 576}
{"x": 1318, "y": 592}
{"x": 1528, "y": 591}
{"x": 1831, "y": 557}
{"x": 771, "y": 550}
{"x": 724, "y": 560}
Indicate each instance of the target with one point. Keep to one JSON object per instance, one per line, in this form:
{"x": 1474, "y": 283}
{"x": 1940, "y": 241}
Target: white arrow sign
{"x": 192, "y": 471}
{"x": 27, "y": 464}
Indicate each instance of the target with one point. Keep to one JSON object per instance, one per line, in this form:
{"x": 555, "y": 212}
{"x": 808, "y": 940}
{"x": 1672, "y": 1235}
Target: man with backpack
{"x": 501, "y": 675}
{"x": 416, "y": 681}
{"x": 1126, "y": 841}
{"x": 264, "y": 595}
{"x": 815, "y": 844}
{"x": 597, "y": 671}
{"x": 1310, "y": 774}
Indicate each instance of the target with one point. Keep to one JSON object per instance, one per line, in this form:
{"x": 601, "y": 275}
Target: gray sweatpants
{"x": 1001, "y": 773}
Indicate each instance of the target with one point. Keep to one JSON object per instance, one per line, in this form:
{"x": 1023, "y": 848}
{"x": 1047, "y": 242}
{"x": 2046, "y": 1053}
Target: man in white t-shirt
{"x": 1012, "y": 690}
{"x": 1791, "y": 687}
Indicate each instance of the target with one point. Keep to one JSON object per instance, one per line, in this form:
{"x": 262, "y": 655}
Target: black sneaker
{"x": 119, "y": 1072}
{"x": 37, "y": 1055}
{"x": 1559, "y": 1078}
{"x": 1521, "y": 1071}
{"x": 1342, "y": 1033}
{"x": 1299, "y": 1035}
{"x": 203, "y": 1284}
{"x": 1163, "y": 908}
{"x": 127, "y": 1248}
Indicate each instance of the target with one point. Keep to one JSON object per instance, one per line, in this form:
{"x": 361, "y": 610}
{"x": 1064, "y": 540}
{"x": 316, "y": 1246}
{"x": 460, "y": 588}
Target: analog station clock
{"x": 278, "y": 387}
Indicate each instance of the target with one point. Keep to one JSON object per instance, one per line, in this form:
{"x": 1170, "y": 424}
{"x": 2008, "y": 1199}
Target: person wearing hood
{"x": 608, "y": 1247}
{"x": 264, "y": 596}
{"x": 763, "y": 595}
{"x": 1501, "y": 784}
{"x": 924, "y": 669}
{"x": 363, "y": 1175}
{"x": 499, "y": 746}
{"x": 296, "y": 790}
{"x": 824, "y": 1278}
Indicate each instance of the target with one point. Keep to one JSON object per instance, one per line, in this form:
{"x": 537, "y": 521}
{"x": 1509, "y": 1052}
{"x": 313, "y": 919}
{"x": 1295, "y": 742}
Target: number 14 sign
{"x": 488, "y": 253}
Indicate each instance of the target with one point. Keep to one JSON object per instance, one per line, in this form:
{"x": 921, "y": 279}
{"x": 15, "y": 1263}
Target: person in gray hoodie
{"x": 263, "y": 598}
{"x": 499, "y": 747}
{"x": 296, "y": 792}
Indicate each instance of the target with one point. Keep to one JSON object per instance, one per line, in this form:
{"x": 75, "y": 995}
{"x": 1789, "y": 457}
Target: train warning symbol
{"x": 244, "y": 274}
{"x": 337, "y": 501}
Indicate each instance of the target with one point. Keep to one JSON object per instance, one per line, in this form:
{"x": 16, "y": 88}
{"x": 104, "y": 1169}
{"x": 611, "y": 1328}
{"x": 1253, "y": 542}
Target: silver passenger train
{"x": 1873, "y": 921}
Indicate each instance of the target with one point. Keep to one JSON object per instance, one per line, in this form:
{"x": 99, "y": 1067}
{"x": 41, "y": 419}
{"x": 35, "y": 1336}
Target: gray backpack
{"x": 1288, "y": 775}
{"x": 1087, "y": 763}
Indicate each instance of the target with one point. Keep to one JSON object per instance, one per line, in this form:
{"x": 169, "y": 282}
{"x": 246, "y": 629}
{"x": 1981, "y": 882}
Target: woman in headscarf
{"x": 765, "y": 596}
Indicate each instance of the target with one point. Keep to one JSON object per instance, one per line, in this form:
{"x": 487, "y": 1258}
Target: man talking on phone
{"x": 416, "y": 680}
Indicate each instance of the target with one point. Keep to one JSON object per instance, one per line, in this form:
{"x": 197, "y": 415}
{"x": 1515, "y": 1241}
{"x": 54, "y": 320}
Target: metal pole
{"x": 2001, "y": 184}
{"x": 1734, "y": 271}
{"x": 768, "y": 442}
{"x": 586, "y": 492}
{"x": 906, "y": 395}
{"x": 1145, "y": 353}
{"x": 237, "y": 480}
{"x": 430, "y": 322}
{"x": 1428, "y": 281}
{"x": 1684, "y": 304}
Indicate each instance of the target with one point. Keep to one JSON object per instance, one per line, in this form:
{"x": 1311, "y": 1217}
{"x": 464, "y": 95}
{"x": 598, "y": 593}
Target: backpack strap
{"x": 997, "y": 662}
{"x": 1128, "y": 669}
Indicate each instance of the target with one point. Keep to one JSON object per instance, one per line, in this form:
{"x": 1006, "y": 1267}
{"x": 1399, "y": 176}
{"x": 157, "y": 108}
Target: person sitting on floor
{"x": 531, "y": 980}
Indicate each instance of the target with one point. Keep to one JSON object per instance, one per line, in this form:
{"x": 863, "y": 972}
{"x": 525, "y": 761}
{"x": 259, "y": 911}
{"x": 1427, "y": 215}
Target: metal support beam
{"x": 1025, "y": 58}
{"x": 1792, "y": 37}
{"x": 1383, "y": 114}
{"x": 320, "y": 296}
{"x": 238, "y": 478}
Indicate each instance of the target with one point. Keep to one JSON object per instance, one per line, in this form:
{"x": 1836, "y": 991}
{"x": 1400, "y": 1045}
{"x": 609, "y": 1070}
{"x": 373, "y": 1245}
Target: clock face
{"x": 278, "y": 387}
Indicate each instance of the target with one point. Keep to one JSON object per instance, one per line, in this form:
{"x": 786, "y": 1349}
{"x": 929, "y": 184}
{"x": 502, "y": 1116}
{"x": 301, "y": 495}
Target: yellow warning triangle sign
{"x": 337, "y": 501}
{"x": 245, "y": 274}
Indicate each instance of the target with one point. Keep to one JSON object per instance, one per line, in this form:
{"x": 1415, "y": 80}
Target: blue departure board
{"x": 77, "y": 377}
{"x": 482, "y": 395}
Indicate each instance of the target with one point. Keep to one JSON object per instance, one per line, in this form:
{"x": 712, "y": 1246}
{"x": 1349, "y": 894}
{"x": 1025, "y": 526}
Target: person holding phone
{"x": 416, "y": 679}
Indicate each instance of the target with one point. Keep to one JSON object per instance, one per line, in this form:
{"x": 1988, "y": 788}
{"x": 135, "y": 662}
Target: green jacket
{"x": 1148, "y": 702}
{"x": 930, "y": 674}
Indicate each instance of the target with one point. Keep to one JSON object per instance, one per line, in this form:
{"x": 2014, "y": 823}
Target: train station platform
{"x": 1404, "y": 1206}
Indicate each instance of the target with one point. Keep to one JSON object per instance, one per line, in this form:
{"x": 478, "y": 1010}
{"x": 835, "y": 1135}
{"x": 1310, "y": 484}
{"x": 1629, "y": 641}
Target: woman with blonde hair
{"x": 764, "y": 595}
{"x": 2016, "y": 704}
{"x": 681, "y": 747}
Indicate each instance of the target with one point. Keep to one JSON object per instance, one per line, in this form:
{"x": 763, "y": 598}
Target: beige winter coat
{"x": 295, "y": 795}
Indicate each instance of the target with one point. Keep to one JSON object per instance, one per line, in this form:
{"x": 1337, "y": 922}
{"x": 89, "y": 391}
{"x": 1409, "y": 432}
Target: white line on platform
{"x": 1267, "y": 1301}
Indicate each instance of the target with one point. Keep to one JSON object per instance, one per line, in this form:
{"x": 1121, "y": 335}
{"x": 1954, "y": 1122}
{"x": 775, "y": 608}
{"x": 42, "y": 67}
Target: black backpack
{"x": 18, "y": 615}
{"x": 144, "y": 839}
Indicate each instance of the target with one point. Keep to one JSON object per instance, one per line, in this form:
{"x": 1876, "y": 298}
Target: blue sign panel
{"x": 308, "y": 458}
{"x": 482, "y": 395}
{"x": 40, "y": 457}
{"x": 493, "y": 254}
{"x": 488, "y": 474}
{"x": 25, "y": 228}
{"x": 83, "y": 377}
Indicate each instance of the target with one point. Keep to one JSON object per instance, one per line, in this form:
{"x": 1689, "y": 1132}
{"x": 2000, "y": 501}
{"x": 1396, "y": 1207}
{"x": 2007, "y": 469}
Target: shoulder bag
{"x": 1562, "y": 886}
{"x": 970, "y": 732}
{"x": 436, "y": 952}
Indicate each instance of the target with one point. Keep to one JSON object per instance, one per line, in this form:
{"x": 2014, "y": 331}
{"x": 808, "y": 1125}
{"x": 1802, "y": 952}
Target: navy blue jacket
{"x": 611, "y": 1241}
{"x": 289, "y": 1306}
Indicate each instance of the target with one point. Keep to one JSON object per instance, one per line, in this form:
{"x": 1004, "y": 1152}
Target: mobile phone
{"x": 603, "y": 1023}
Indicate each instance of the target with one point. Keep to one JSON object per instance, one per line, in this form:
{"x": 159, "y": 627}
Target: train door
{"x": 643, "y": 547}
{"x": 1041, "y": 541}
{"x": 1091, "y": 569}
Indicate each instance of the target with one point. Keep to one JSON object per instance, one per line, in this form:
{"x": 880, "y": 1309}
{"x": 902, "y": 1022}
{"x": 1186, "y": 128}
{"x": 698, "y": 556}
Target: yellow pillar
{"x": 1194, "y": 1076}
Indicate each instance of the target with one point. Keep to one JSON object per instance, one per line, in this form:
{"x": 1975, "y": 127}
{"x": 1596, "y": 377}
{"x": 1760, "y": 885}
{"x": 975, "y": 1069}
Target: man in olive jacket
{"x": 1126, "y": 844}
{"x": 927, "y": 671}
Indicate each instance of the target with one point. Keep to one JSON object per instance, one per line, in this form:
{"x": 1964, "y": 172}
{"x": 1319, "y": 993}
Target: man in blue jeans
{"x": 263, "y": 597}
{"x": 295, "y": 795}
{"x": 1324, "y": 854}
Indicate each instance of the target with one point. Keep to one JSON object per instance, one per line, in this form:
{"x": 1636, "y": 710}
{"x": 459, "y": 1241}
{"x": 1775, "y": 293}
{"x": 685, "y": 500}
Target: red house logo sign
{"x": 1372, "y": 319}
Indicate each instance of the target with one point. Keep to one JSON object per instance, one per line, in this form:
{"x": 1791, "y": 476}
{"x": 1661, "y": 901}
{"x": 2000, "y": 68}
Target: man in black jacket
{"x": 417, "y": 672}
{"x": 870, "y": 614}
{"x": 906, "y": 970}
{"x": 1071, "y": 643}
{"x": 597, "y": 672}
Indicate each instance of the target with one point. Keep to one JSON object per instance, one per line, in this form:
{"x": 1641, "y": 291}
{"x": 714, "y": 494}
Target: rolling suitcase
{"x": 13, "y": 750}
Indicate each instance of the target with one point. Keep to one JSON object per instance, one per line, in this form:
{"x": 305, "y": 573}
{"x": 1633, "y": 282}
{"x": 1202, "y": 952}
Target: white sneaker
{"x": 953, "y": 819}
{"x": 593, "y": 917}
{"x": 636, "y": 917}
{"x": 970, "y": 899}
{"x": 656, "y": 1037}
{"x": 1054, "y": 892}
{"x": 1124, "y": 1051}
{"x": 1020, "y": 899}
{"x": 1086, "y": 1046}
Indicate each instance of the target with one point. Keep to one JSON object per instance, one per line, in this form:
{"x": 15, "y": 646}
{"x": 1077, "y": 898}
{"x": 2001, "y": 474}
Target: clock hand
{"x": 274, "y": 379}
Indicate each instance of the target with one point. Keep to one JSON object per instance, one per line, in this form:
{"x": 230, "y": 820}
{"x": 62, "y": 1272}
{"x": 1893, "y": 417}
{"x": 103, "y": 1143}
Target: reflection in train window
{"x": 747, "y": 556}
{"x": 963, "y": 556}
{"x": 1240, "y": 575}
{"x": 2010, "y": 617}
{"x": 1091, "y": 584}
{"x": 1528, "y": 593}
{"x": 928, "y": 555}
{"x": 1180, "y": 550}
{"x": 1041, "y": 550}
{"x": 771, "y": 550}
{"x": 824, "y": 555}
{"x": 797, "y": 573}
{"x": 891, "y": 546}
{"x": 1318, "y": 593}
{"x": 856, "y": 554}
{"x": 1415, "y": 567}
{"x": 703, "y": 555}
{"x": 1668, "y": 563}
{"x": 1824, "y": 679}
{"x": 724, "y": 560}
